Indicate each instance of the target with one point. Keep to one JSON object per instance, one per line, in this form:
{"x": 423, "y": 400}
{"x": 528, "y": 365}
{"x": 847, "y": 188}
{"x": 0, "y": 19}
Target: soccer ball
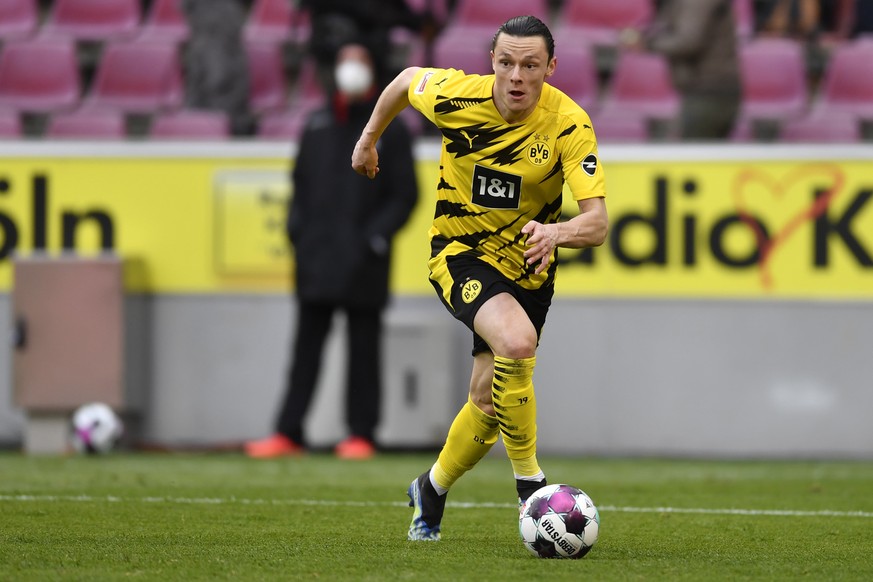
{"x": 95, "y": 428}
{"x": 559, "y": 521}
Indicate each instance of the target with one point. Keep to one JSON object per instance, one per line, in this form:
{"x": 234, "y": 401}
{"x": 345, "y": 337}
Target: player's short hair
{"x": 526, "y": 26}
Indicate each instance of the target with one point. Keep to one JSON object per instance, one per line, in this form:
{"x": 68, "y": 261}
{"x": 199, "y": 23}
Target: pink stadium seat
{"x": 96, "y": 20}
{"x": 165, "y": 21}
{"x": 268, "y": 88}
{"x": 641, "y": 84}
{"x": 470, "y": 53}
{"x": 286, "y": 125}
{"x": 39, "y": 75}
{"x": 821, "y": 129}
{"x": 18, "y": 18}
{"x": 847, "y": 87}
{"x": 613, "y": 128}
{"x": 744, "y": 18}
{"x": 191, "y": 124}
{"x": 576, "y": 75}
{"x": 10, "y": 124}
{"x": 600, "y": 21}
{"x": 308, "y": 92}
{"x": 87, "y": 124}
{"x": 276, "y": 21}
{"x": 480, "y": 18}
{"x": 138, "y": 77}
{"x": 774, "y": 78}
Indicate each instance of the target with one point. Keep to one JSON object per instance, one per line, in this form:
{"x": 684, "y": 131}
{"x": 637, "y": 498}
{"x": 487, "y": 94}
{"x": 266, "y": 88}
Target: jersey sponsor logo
{"x": 495, "y": 189}
{"x": 538, "y": 153}
{"x": 470, "y": 291}
{"x": 589, "y": 164}
{"x": 423, "y": 83}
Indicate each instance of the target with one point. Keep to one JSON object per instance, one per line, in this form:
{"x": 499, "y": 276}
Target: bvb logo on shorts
{"x": 538, "y": 153}
{"x": 470, "y": 290}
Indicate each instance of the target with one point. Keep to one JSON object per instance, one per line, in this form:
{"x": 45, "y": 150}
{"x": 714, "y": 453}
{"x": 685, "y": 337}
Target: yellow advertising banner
{"x": 729, "y": 223}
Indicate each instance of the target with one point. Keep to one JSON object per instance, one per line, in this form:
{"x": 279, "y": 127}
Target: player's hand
{"x": 365, "y": 159}
{"x": 541, "y": 241}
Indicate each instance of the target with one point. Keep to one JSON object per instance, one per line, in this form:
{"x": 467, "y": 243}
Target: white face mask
{"x": 353, "y": 78}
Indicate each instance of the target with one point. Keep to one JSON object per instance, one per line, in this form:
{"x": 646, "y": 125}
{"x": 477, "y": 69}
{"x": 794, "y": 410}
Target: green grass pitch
{"x": 226, "y": 517}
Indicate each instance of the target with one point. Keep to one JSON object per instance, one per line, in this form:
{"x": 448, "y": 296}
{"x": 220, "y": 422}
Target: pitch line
{"x": 459, "y": 504}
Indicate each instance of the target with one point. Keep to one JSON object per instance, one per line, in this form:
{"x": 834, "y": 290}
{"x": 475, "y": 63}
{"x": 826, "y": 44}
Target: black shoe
{"x": 526, "y": 489}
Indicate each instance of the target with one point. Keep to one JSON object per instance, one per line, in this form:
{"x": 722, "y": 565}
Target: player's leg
{"x": 471, "y": 436}
{"x": 505, "y": 325}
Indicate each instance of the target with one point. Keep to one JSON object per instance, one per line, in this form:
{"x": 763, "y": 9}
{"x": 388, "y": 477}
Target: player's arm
{"x": 393, "y": 100}
{"x": 587, "y": 229}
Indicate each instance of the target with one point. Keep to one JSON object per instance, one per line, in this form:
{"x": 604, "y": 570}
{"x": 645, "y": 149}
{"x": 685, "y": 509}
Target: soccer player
{"x": 510, "y": 142}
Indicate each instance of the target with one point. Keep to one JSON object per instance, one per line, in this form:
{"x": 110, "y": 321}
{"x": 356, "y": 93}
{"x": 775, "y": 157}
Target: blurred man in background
{"x": 341, "y": 225}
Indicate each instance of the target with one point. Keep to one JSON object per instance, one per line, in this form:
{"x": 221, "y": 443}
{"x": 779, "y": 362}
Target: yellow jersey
{"x": 495, "y": 176}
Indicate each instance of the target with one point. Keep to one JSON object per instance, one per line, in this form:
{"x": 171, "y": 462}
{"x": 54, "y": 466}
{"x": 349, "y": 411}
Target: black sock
{"x": 527, "y": 488}
{"x": 432, "y": 504}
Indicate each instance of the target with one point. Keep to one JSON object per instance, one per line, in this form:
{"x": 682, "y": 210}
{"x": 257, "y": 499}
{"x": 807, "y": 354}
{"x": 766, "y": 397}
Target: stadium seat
{"x": 308, "y": 92}
{"x": 492, "y": 13}
{"x": 470, "y": 53}
{"x": 774, "y": 80}
{"x": 599, "y": 22}
{"x": 10, "y": 124}
{"x": 93, "y": 20}
{"x": 847, "y": 87}
{"x": 613, "y": 128}
{"x": 286, "y": 125}
{"x": 39, "y": 75}
{"x": 268, "y": 88}
{"x": 165, "y": 21}
{"x": 87, "y": 124}
{"x": 18, "y": 19}
{"x": 276, "y": 21}
{"x": 576, "y": 75}
{"x": 744, "y": 19}
{"x": 641, "y": 84}
{"x": 478, "y": 19}
{"x": 821, "y": 129}
{"x": 191, "y": 124}
{"x": 138, "y": 77}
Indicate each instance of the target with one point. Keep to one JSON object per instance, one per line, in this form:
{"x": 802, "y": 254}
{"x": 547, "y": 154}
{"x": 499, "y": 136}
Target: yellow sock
{"x": 471, "y": 436}
{"x": 516, "y": 409}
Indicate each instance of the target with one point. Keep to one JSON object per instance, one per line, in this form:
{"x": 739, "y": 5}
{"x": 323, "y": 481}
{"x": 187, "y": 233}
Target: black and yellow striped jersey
{"x": 495, "y": 177}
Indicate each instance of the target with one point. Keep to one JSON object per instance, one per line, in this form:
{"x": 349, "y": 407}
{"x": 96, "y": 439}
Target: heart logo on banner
{"x": 777, "y": 187}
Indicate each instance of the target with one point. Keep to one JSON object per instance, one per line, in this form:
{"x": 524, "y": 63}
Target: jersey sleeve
{"x": 583, "y": 172}
{"x": 427, "y": 84}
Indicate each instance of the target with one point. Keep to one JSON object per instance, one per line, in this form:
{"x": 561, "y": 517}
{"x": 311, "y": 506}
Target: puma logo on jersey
{"x": 467, "y": 137}
{"x": 589, "y": 164}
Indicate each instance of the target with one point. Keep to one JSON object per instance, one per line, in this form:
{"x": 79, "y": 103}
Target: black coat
{"x": 341, "y": 223}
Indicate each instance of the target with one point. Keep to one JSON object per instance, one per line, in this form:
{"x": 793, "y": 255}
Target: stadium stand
{"x": 470, "y": 53}
{"x": 847, "y": 86}
{"x": 165, "y": 22}
{"x": 267, "y": 76}
{"x": 641, "y": 85}
{"x": 599, "y": 22}
{"x": 576, "y": 75}
{"x": 774, "y": 79}
{"x": 191, "y": 124}
{"x": 39, "y": 75}
{"x": 93, "y": 20}
{"x": 87, "y": 124}
{"x": 10, "y": 124}
{"x": 277, "y": 21}
{"x": 611, "y": 128}
{"x": 18, "y": 19}
{"x": 821, "y": 129}
{"x": 138, "y": 77}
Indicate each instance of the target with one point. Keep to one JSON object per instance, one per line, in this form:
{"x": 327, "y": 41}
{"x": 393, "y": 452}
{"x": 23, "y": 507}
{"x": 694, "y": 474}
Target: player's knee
{"x": 517, "y": 346}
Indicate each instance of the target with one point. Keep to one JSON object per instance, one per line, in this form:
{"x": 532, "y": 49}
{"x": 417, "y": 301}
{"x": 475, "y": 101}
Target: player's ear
{"x": 493, "y": 64}
{"x": 550, "y": 68}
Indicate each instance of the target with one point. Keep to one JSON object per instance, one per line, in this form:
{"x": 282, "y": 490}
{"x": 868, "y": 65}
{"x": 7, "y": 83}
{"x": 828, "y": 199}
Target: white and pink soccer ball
{"x": 96, "y": 428}
{"x": 559, "y": 521}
